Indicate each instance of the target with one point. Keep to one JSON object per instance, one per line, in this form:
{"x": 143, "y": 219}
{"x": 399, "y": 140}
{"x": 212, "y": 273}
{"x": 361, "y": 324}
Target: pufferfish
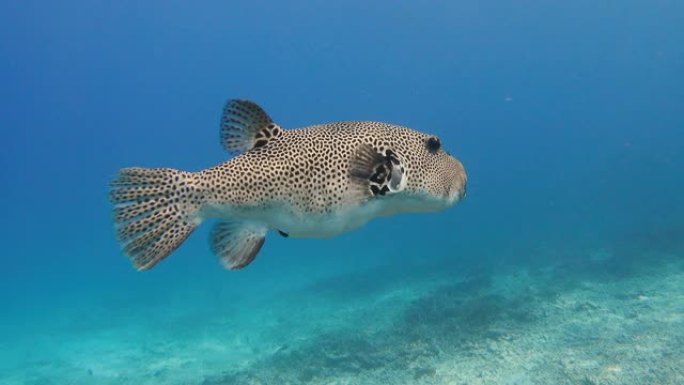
{"x": 316, "y": 181}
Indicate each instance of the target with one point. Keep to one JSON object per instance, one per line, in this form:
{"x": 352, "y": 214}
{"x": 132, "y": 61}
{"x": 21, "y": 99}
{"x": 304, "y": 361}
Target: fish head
{"x": 435, "y": 179}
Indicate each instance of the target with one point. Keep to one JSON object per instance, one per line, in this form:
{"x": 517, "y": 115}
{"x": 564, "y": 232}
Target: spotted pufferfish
{"x": 316, "y": 181}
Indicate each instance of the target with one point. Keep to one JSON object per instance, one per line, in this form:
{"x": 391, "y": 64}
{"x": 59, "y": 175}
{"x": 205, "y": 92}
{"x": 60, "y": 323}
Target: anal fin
{"x": 237, "y": 243}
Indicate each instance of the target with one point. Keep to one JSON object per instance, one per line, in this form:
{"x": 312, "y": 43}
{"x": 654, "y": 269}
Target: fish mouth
{"x": 456, "y": 189}
{"x": 454, "y": 197}
{"x": 455, "y": 193}
{"x": 462, "y": 193}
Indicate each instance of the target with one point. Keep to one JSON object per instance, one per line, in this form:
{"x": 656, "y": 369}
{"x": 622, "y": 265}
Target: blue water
{"x": 568, "y": 117}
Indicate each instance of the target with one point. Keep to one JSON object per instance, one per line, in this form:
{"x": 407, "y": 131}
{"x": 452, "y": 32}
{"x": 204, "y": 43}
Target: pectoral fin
{"x": 376, "y": 174}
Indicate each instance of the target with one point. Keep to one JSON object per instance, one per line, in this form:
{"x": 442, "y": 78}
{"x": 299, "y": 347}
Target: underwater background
{"x": 564, "y": 265}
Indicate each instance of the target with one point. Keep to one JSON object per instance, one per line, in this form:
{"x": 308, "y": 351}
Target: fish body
{"x": 317, "y": 181}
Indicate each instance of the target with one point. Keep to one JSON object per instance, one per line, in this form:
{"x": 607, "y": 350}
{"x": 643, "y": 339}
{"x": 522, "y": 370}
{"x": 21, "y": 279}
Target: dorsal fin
{"x": 245, "y": 126}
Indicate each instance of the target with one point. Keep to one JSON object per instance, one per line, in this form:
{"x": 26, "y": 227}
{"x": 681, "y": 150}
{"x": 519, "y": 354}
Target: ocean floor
{"x": 604, "y": 317}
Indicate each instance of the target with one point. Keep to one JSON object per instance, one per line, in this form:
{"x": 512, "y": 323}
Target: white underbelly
{"x": 322, "y": 226}
{"x": 295, "y": 224}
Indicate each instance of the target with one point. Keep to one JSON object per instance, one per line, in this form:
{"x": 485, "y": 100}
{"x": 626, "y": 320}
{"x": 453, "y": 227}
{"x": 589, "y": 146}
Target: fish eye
{"x": 433, "y": 144}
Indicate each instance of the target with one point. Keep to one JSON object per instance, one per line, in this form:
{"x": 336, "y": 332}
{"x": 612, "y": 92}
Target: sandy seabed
{"x": 602, "y": 319}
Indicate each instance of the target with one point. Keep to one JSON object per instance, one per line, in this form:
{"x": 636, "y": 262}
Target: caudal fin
{"x": 155, "y": 210}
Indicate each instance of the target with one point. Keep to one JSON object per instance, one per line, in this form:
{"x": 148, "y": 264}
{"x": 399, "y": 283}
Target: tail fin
{"x": 155, "y": 210}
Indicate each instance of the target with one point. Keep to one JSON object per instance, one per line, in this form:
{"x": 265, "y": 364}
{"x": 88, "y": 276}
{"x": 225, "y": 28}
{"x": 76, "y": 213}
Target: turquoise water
{"x": 564, "y": 265}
